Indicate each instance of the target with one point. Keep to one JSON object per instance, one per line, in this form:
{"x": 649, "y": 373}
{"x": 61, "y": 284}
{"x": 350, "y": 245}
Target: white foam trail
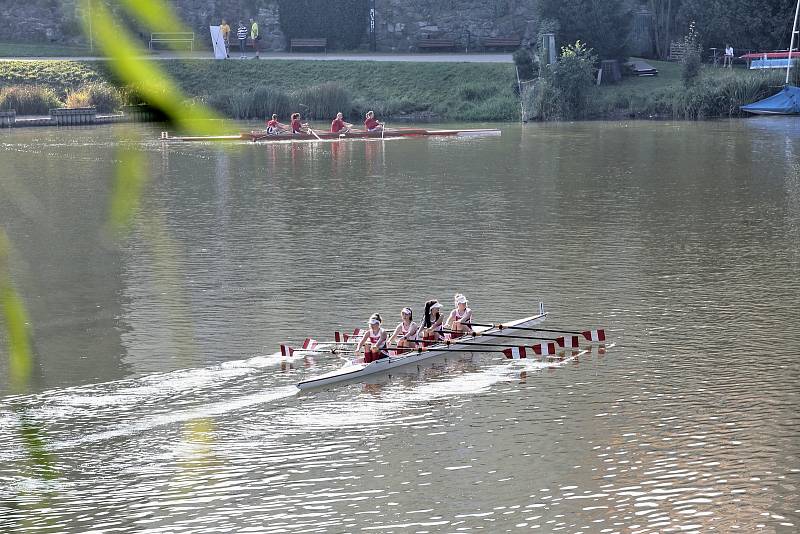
{"x": 177, "y": 417}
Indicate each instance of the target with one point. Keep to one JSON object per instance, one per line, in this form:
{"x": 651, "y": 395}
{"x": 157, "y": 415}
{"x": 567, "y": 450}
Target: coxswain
{"x": 274, "y": 127}
{"x": 373, "y": 341}
{"x": 371, "y": 123}
{"x": 297, "y": 126}
{"x": 459, "y": 319}
{"x": 339, "y": 126}
{"x": 406, "y": 332}
{"x": 432, "y": 322}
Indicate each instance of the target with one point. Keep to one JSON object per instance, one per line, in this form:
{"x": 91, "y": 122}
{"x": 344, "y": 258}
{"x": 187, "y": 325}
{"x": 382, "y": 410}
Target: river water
{"x": 157, "y": 402}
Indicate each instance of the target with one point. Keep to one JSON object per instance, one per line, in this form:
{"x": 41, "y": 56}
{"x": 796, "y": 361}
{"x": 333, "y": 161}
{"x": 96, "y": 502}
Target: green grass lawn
{"x": 43, "y": 50}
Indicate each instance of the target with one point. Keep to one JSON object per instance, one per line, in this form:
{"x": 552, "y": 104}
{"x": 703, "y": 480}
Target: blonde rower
{"x": 459, "y": 316}
{"x": 374, "y": 340}
{"x": 432, "y": 322}
{"x": 406, "y": 331}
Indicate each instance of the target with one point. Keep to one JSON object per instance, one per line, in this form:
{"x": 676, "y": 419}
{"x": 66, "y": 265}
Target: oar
{"x": 512, "y": 352}
{"x": 448, "y": 342}
{"x": 591, "y": 335}
{"x": 310, "y": 129}
{"x": 561, "y": 340}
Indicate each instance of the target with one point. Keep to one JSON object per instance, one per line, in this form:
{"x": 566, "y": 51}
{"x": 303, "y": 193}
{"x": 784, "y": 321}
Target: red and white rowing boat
{"x": 354, "y": 371}
{"x": 391, "y": 133}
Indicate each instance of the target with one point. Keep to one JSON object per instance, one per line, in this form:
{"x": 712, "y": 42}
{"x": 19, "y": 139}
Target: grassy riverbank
{"x": 249, "y": 89}
{"x": 451, "y": 91}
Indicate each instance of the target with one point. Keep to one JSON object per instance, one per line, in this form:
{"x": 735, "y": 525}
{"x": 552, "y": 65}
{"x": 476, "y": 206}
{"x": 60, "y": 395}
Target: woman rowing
{"x": 405, "y": 333}
{"x": 371, "y": 123}
{"x": 432, "y": 322}
{"x": 339, "y": 126}
{"x": 373, "y": 341}
{"x": 297, "y": 126}
{"x": 274, "y": 127}
{"x": 459, "y": 319}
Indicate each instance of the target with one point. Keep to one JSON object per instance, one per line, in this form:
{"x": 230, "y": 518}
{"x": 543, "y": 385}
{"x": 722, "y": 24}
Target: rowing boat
{"x": 353, "y": 371}
{"x": 262, "y": 136}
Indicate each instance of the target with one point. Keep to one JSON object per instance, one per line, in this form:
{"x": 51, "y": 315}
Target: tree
{"x": 745, "y": 24}
{"x": 604, "y": 25}
{"x": 664, "y": 12}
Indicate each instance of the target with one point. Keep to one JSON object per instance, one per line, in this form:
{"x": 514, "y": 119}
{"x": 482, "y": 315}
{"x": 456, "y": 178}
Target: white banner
{"x": 218, "y": 42}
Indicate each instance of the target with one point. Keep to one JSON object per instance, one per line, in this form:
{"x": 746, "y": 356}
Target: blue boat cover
{"x": 787, "y": 102}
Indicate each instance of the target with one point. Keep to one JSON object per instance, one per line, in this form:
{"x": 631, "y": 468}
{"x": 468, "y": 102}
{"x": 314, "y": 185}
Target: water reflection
{"x": 679, "y": 238}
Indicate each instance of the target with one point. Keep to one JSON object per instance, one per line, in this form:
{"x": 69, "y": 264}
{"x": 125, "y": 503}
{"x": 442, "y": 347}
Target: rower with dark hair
{"x": 297, "y": 126}
{"x": 432, "y": 322}
{"x": 406, "y": 332}
{"x": 373, "y": 341}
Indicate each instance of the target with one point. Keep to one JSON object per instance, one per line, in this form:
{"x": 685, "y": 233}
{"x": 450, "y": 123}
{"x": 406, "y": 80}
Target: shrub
{"x": 323, "y": 101}
{"x": 692, "y": 61}
{"x": 105, "y": 98}
{"x": 523, "y": 59}
{"x": 29, "y": 99}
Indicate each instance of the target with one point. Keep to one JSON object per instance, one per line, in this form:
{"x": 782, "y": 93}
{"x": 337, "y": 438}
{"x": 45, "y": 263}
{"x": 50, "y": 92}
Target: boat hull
{"x": 263, "y": 137}
{"x": 355, "y": 372}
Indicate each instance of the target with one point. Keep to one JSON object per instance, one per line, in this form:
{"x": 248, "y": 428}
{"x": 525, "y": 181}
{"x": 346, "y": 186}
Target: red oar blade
{"x": 310, "y": 344}
{"x": 544, "y": 349}
{"x": 286, "y": 351}
{"x": 595, "y": 335}
{"x": 572, "y": 342}
{"x": 516, "y": 353}
{"x": 341, "y": 337}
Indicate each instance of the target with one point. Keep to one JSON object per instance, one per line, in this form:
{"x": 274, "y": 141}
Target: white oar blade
{"x": 572, "y": 342}
{"x": 286, "y": 351}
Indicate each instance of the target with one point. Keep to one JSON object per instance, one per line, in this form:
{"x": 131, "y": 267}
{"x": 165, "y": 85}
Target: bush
{"x": 692, "y": 61}
{"x": 29, "y": 99}
{"x": 324, "y": 101}
{"x": 105, "y": 98}
{"x": 562, "y": 89}
{"x": 524, "y": 62}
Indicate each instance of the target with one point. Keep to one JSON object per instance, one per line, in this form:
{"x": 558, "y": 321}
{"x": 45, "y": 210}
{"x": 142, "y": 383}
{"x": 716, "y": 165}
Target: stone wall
{"x": 402, "y": 23}
{"x": 399, "y": 23}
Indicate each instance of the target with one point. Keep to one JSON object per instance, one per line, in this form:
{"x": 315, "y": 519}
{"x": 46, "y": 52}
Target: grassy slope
{"x": 466, "y": 91}
{"x": 42, "y": 50}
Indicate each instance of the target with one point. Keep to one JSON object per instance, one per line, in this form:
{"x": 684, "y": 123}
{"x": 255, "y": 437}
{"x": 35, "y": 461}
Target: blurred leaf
{"x": 131, "y": 176}
{"x": 145, "y": 75}
{"x": 43, "y": 462}
{"x": 15, "y": 318}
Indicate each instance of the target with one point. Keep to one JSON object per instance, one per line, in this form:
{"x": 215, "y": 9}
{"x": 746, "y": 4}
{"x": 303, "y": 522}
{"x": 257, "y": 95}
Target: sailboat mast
{"x": 791, "y": 41}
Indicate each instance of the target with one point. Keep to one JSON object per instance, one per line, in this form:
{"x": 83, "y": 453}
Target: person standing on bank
{"x": 241, "y": 34}
{"x": 254, "y": 35}
{"x": 225, "y": 30}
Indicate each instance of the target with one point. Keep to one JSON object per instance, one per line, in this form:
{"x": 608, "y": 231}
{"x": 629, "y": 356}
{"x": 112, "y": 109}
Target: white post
{"x": 791, "y": 42}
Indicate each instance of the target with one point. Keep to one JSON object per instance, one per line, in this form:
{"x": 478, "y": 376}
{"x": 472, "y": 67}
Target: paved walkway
{"x": 422, "y": 57}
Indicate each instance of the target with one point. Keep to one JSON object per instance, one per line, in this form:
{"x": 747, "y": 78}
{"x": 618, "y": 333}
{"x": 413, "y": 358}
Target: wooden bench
{"x": 174, "y": 37}
{"x": 502, "y": 42}
{"x": 308, "y": 43}
{"x": 435, "y": 43}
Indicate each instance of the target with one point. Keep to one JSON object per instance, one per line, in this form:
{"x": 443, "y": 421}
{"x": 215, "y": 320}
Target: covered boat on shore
{"x": 787, "y": 102}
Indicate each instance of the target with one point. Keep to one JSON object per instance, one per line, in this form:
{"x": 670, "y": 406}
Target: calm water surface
{"x": 158, "y": 402}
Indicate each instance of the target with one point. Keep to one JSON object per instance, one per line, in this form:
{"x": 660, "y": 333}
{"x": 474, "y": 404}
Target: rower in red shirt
{"x": 371, "y": 123}
{"x": 297, "y": 126}
{"x": 339, "y": 126}
{"x": 275, "y": 127}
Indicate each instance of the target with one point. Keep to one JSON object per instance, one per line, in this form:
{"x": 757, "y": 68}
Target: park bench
{"x": 435, "y": 43}
{"x": 173, "y": 37}
{"x": 308, "y": 43}
{"x": 502, "y": 42}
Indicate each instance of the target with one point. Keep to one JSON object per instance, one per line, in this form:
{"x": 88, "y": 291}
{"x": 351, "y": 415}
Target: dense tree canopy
{"x": 604, "y": 25}
{"x": 745, "y": 24}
